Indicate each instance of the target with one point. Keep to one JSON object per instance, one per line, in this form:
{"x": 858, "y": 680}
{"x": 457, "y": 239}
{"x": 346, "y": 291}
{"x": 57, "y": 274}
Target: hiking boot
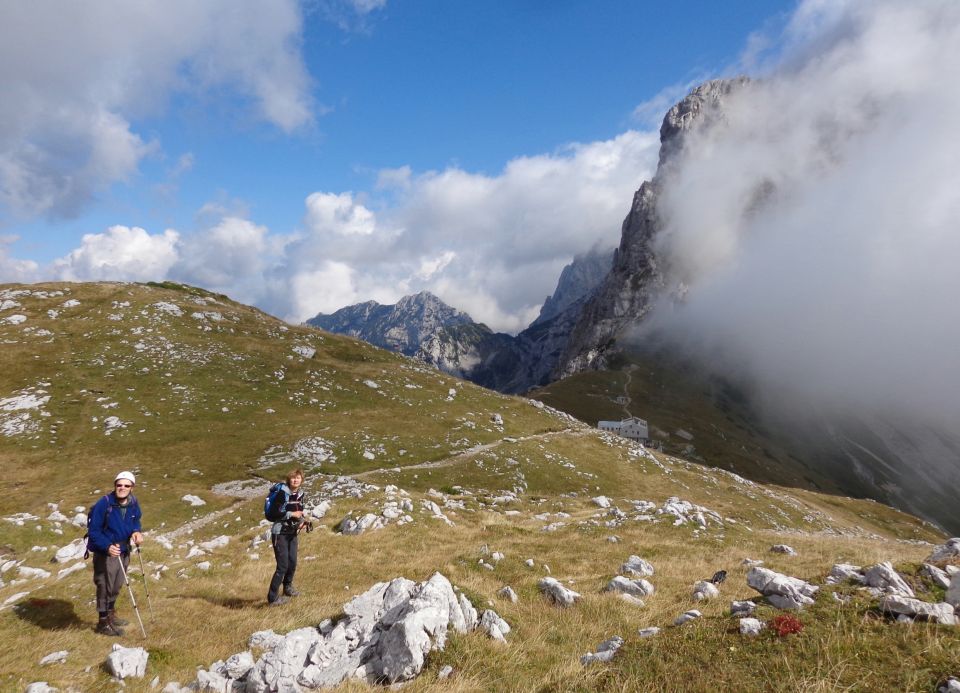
{"x": 279, "y": 601}
{"x": 116, "y": 620}
{"x": 106, "y": 627}
{"x": 291, "y": 591}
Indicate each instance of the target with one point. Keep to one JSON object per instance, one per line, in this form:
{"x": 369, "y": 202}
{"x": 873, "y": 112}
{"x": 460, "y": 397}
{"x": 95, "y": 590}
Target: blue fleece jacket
{"x": 108, "y": 525}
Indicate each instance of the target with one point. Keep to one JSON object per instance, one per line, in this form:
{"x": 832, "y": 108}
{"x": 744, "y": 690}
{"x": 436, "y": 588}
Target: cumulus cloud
{"x": 77, "y": 77}
{"x": 121, "y": 253}
{"x": 14, "y": 270}
{"x": 490, "y": 245}
{"x": 816, "y": 226}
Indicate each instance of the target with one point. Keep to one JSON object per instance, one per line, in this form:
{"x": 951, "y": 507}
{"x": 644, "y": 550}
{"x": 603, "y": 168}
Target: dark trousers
{"x": 108, "y": 578}
{"x": 285, "y": 551}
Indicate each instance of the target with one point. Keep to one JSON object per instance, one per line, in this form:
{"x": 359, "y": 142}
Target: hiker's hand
{"x": 136, "y": 538}
{"x": 298, "y": 514}
{"x": 114, "y": 550}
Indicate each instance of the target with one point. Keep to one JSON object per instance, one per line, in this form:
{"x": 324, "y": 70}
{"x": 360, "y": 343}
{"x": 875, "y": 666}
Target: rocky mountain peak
{"x": 635, "y": 279}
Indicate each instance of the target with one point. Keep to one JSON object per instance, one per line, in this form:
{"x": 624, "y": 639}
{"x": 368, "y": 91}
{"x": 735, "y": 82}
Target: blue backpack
{"x": 275, "y": 503}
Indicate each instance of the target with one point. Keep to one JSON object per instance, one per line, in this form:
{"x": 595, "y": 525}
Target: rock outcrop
{"x": 783, "y": 591}
{"x": 385, "y": 634}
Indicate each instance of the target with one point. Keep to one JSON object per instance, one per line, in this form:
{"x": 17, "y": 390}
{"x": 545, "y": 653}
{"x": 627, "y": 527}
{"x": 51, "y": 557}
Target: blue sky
{"x": 218, "y": 124}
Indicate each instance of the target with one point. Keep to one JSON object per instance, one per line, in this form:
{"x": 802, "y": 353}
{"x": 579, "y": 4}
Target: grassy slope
{"x": 189, "y": 443}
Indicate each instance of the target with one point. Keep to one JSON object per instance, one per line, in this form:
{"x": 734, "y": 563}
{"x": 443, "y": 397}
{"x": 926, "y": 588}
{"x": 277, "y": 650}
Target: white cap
{"x": 128, "y": 476}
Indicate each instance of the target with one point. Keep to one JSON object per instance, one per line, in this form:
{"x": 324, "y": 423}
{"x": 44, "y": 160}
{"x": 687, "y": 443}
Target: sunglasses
{"x": 124, "y": 485}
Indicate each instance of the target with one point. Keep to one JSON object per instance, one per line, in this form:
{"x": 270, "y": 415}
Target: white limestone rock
{"x": 953, "y": 592}
{"x": 557, "y": 593}
{"x": 648, "y": 632}
{"x": 601, "y": 502}
{"x": 784, "y": 549}
{"x": 949, "y": 549}
{"x": 40, "y": 687}
{"x": 942, "y": 613}
{"x": 951, "y": 685}
{"x": 884, "y": 577}
{"x": 743, "y": 608}
{"x": 704, "y": 590}
{"x": 55, "y": 658}
{"x": 937, "y": 576}
{"x": 70, "y": 552}
{"x": 494, "y": 625}
{"x": 844, "y": 572}
{"x": 686, "y": 617}
{"x": 635, "y": 565}
{"x": 127, "y": 661}
{"x": 605, "y": 651}
{"x": 782, "y": 591}
{"x": 751, "y": 626}
{"x": 631, "y": 599}
{"x": 238, "y": 665}
{"x": 506, "y": 592}
{"x": 195, "y": 501}
{"x": 638, "y": 588}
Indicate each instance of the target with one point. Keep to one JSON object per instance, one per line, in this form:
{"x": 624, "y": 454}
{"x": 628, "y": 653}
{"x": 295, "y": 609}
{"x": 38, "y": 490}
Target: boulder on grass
{"x": 605, "y": 651}
{"x": 783, "y": 591}
{"x": 557, "y": 593}
{"x": 942, "y": 613}
{"x": 127, "y": 661}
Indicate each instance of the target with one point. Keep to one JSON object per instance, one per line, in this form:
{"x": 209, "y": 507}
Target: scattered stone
{"x": 751, "y": 626}
{"x": 884, "y": 577}
{"x": 937, "y": 576}
{"x": 193, "y": 500}
{"x": 70, "y": 552}
{"x": 914, "y": 608}
{"x": 496, "y": 419}
{"x": 750, "y": 562}
{"x": 782, "y": 591}
{"x": 951, "y": 685}
{"x": 950, "y": 549}
{"x": 744, "y": 608}
{"x": 601, "y": 502}
{"x": 636, "y": 566}
{"x": 528, "y": 562}
{"x": 127, "y": 661}
{"x": 648, "y": 632}
{"x": 40, "y": 687}
{"x": 214, "y": 544}
{"x": 605, "y": 651}
{"x": 55, "y": 658}
{"x": 686, "y": 617}
{"x": 238, "y": 665}
{"x": 784, "y": 549}
{"x": 613, "y": 539}
{"x": 557, "y": 593}
{"x": 630, "y": 599}
{"x": 445, "y": 673}
{"x": 704, "y": 590}
{"x": 844, "y": 572}
{"x": 953, "y": 592}
{"x": 638, "y": 588}
{"x": 507, "y": 593}
{"x": 495, "y": 626}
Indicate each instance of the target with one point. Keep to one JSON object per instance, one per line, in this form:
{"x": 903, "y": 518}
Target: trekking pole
{"x": 133, "y": 599}
{"x": 144, "y": 573}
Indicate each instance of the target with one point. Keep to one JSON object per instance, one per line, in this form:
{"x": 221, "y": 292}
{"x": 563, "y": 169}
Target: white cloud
{"x": 491, "y": 245}
{"x": 12, "y": 269}
{"x": 817, "y": 224}
{"x": 120, "y": 253}
{"x": 77, "y": 77}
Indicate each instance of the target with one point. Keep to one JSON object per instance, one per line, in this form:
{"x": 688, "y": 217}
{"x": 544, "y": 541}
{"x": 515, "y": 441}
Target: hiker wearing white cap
{"x": 113, "y": 523}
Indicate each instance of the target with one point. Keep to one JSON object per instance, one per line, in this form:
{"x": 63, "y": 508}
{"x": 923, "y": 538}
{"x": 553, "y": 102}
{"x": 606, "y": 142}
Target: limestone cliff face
{"x": 636, "y": 279}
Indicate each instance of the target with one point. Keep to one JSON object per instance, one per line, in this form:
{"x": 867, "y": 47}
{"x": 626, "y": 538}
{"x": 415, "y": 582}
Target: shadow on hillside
{"x": 49, "y": 614}
{"x": 233, "y": 602}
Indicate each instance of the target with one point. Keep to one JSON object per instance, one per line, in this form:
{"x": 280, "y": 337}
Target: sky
{"x": 303, "y": 156}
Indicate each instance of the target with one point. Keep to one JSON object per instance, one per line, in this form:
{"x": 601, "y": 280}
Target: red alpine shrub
{"x": 785, "y": 624}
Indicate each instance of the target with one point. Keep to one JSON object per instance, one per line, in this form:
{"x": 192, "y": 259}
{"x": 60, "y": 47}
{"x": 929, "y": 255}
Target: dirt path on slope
{"x": 246, "y": 490}
{"x": 468, "y": 454}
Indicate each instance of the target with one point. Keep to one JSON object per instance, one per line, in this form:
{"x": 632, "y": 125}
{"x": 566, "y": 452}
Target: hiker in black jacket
{"x": 114, "y": 522}
{"x": 284, "y": 536}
